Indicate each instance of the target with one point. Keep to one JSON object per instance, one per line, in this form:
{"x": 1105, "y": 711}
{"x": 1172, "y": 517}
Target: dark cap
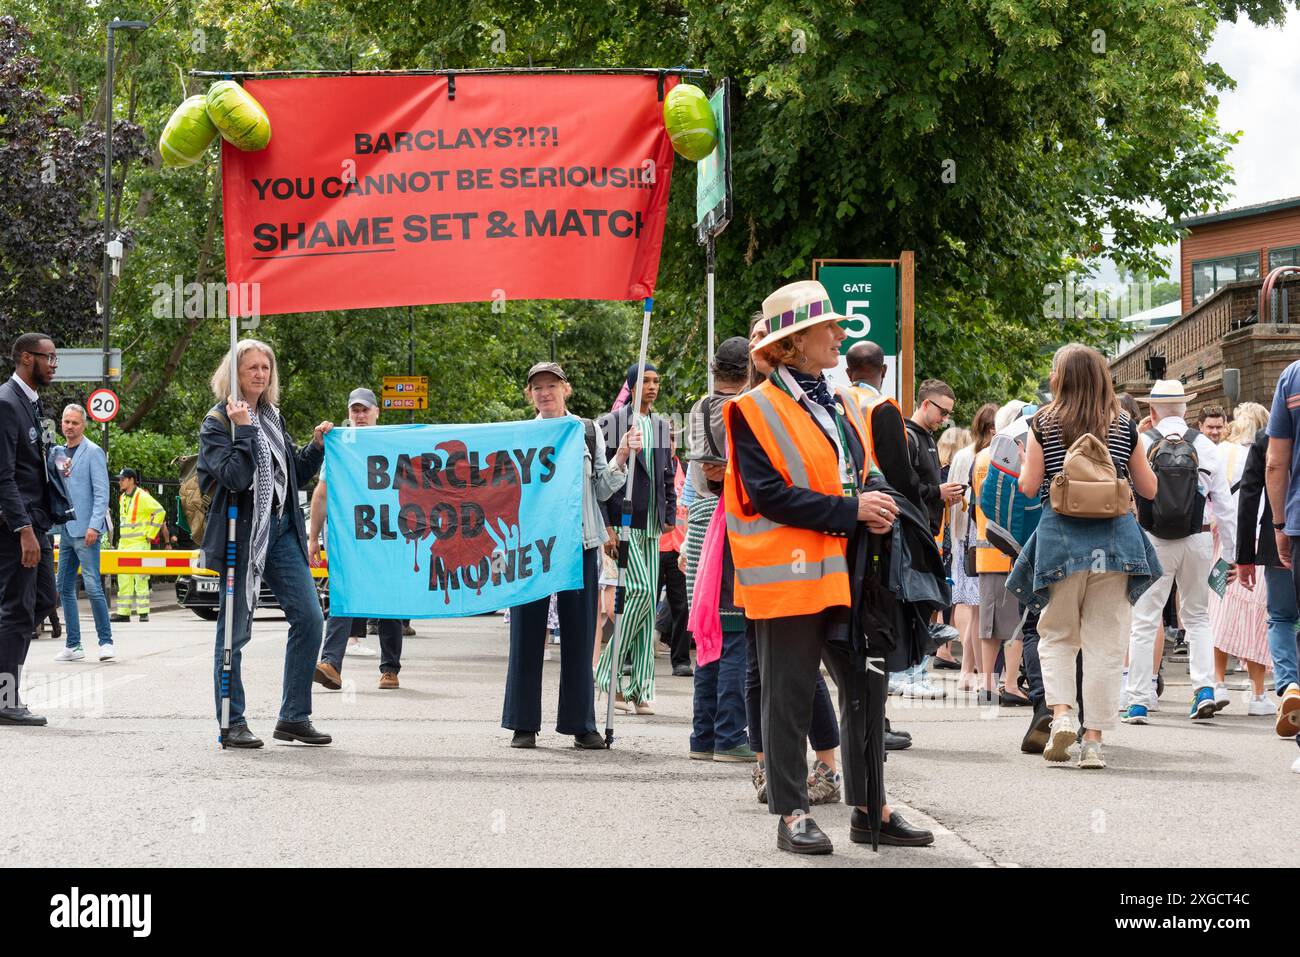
{"x": 128, "y": 473}
{"x": 732, "y": 358}
{"x": 552, "y": 367}
{"x": 364, "y": 396}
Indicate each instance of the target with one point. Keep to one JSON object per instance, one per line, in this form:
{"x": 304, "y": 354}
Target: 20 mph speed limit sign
{"x": 103, "y": 405}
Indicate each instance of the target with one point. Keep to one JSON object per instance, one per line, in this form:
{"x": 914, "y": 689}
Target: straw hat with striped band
{"x": 796, "y": 306}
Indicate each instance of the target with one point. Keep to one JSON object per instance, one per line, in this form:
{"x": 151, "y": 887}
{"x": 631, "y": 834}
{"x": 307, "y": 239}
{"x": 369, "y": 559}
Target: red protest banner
{"x": 383, "y": 191}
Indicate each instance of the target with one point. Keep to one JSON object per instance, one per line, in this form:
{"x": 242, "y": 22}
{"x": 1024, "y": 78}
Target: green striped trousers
{"x": 640, "y": 588}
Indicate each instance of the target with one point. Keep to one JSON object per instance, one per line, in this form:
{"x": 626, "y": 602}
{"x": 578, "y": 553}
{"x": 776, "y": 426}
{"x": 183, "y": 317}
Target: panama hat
{"x": 793, "y": 307}
{"x": 1167, "y": 390}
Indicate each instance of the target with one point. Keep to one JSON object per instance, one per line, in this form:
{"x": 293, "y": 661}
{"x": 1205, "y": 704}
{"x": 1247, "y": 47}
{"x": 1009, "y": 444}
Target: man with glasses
{"x": 934, "y": 405}
{"x": 27, "y": 513}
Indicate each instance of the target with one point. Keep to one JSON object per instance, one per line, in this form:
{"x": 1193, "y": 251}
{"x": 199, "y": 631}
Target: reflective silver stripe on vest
{"x": 854, "y": 411}
{"x": 758, "y": 525}
{"x": 793, "y": 460}
{"x": 809, "y": 571}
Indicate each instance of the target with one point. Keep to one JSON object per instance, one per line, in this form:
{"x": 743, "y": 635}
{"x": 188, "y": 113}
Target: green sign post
{"x": 713, "y": 173}
{"x": 868, "y": 297}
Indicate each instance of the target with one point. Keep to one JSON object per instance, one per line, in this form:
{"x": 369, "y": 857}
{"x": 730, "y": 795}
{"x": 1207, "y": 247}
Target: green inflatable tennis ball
{"x": 238, "y": 117}
{"x": 689, "y": 121}
{"x": 187, "y": 134}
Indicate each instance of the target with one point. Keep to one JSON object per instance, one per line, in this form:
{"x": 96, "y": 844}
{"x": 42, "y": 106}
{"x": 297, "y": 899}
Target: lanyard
{"x": 783, "y": 380}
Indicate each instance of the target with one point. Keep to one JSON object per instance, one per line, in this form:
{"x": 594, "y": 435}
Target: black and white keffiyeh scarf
{"x": 270, "y": 485}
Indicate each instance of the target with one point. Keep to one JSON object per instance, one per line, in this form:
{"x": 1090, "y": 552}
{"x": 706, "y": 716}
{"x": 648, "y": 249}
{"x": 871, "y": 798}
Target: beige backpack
{"x": 1088, "y": 485}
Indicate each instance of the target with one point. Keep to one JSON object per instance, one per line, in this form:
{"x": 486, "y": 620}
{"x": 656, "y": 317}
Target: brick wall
{"x": 1200, "y": 345}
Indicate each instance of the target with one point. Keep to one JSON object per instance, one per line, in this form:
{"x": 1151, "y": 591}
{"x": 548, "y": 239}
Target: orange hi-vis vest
{"x": 783, "y": 571}
{"x": 867, "y": 400}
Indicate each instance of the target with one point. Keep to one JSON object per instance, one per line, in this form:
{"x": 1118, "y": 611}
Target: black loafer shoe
{"x": 898, "y": 832}
{"x": 1012, "y": 700}
{"x": 591, "y": 741}
{"x": 299, "y": 731}
{"x": 943, "y": 664}
{"x": 22, "y": 717}
{"x": 896, "y": 742}
{"x": 902, "y": 734}
{"x": 524, "y": 739}
{"x": 1040, "y": 726}
{"x": 240, "y": 737}
{"x": 804, "y": 838}
{"x": 682, "y": 671}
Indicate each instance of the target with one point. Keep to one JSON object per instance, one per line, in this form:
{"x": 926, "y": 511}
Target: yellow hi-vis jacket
{"x": 139, "y": 519}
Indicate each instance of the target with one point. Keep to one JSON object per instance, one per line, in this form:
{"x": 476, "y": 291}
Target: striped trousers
{"x": 640, "y": 587}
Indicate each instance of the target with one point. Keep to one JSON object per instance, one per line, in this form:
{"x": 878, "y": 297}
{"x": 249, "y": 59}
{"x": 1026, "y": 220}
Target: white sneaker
{"x": 1296, "y": 766}
{"x": 1261, "y": 706}
{"x": 357, "y": 648}
{"x": 920, "y": 688}
{"x": 1221, "y": 697}
{"x": 1061, "y": 737}
{"x": 106, "y": 652}
{"x": 70, "y": 654}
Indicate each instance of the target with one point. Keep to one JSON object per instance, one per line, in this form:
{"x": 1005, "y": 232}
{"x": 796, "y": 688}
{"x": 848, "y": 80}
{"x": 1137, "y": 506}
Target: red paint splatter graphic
{"x": 461, "y": 502}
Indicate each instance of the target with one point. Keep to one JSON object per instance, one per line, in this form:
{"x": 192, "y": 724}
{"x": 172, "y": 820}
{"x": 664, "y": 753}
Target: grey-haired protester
{"x": 259, "y": 471}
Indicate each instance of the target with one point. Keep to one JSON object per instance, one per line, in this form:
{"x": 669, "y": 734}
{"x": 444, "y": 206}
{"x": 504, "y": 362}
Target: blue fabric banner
{"x": 438, "y": 521}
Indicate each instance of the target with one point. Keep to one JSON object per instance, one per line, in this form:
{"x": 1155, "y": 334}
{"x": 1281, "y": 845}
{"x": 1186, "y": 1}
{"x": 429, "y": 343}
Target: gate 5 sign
{"x": 868, "y": 297}
{"x": 103, "y": 405}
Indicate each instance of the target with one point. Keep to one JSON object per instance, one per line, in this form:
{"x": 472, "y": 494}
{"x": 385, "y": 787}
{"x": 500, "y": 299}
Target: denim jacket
{"x": 1062, "y": 546}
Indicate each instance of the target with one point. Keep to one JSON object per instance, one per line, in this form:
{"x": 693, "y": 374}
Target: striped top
{"x": 1121, "y": 439}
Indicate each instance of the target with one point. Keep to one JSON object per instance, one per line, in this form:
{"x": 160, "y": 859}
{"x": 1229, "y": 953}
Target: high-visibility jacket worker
{"x": 140, "y": 518}
{"x": 798, "y": 462}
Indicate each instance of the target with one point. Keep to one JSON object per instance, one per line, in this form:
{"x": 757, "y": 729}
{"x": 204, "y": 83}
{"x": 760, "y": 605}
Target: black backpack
{"x": 1178, "y": 510}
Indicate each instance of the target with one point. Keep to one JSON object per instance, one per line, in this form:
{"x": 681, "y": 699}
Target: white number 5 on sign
{"x": 857, "y": 326}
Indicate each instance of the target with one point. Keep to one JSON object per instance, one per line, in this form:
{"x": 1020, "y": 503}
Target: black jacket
{"x": 612, "y": 425}
{"x": 924, "y": 454}
{"x": 30, "y": 492}
{"x": 228, "y": 468}
{"x": 893, "y": 458}
{"x": 1250, "y": 495}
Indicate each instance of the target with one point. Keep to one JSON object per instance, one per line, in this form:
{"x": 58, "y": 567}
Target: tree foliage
{"x": 1010, "y": 143}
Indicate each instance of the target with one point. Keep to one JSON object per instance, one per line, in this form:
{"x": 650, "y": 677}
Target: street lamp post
{"x": 107, "y": 259}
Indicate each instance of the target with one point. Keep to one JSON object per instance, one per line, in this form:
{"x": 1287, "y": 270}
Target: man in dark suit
{"x": 27, "y": 592}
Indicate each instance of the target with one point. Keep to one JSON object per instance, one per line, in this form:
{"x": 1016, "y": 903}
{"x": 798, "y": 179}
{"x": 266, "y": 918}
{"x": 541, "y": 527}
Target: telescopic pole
{"x": 625, "y": 532}
{"x": 708, "y": 358}
{"x": 232, "y": 517}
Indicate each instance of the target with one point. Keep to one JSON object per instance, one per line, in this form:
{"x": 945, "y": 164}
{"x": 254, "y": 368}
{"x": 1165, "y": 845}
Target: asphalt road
{"x": 129, "y": 773}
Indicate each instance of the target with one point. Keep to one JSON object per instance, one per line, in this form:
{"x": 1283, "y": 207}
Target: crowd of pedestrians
{"x": 1043, "y": 554}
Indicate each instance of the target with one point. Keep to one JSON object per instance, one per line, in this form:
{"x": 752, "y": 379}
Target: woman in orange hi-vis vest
{"x": 795, "y": 507}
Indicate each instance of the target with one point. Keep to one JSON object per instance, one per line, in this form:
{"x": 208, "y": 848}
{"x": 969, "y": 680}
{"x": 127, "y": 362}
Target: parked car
{"x": 199, "y": 593}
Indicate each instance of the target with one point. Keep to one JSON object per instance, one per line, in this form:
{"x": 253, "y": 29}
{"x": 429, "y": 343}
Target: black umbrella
{"x": 876, "y": 631}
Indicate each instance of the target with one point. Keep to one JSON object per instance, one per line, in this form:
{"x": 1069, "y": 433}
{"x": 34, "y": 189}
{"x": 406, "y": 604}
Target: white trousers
{"x": 1186, "y": 561}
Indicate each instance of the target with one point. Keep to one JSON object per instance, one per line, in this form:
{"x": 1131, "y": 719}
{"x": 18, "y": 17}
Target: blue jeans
{"x": 1282, "y": 617}
{"x": 289, "y": 576}
{"x": 74, "y": 551}
{"x": 720, "y": 698}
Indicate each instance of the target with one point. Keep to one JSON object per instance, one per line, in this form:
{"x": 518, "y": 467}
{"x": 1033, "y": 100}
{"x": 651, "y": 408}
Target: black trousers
{"x": 790, "y": 653}
{"x": 522, "y": 710}
{"x": 823, "y": 733}
{"x": 27, "y": 595}
{"x": 674, "y": 582}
